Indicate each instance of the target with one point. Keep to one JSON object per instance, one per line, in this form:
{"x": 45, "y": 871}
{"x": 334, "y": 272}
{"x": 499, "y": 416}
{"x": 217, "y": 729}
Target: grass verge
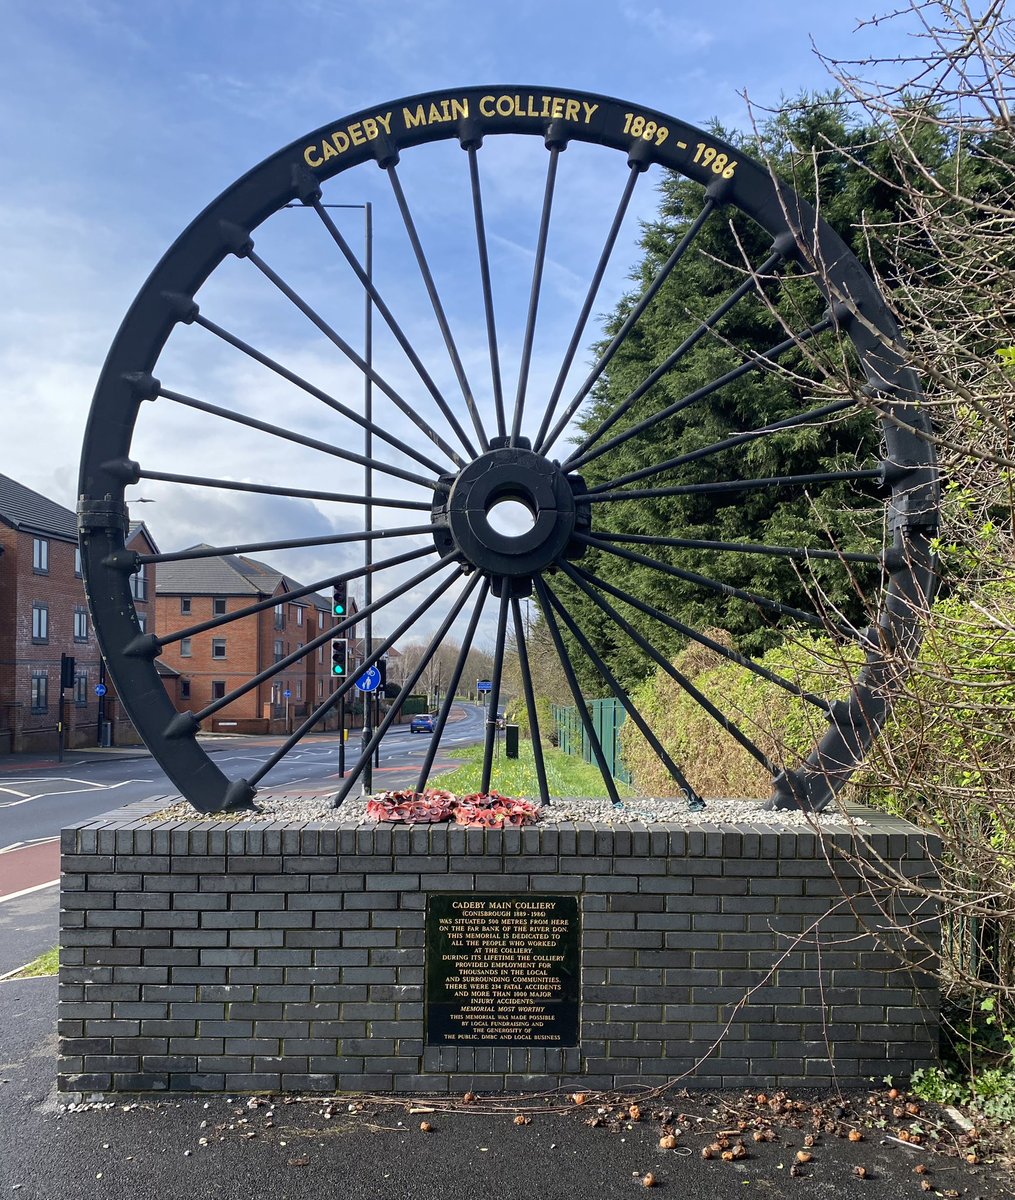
{"x": 565, "y": 775}
{"x": 45, "y": 964}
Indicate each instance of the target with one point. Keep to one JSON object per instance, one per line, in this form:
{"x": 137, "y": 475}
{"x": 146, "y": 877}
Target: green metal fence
{"x": 607, "y": 718}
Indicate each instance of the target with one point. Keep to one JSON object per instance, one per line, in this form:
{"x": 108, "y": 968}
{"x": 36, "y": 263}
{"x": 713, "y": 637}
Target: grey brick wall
{"x": 237, "y": 956}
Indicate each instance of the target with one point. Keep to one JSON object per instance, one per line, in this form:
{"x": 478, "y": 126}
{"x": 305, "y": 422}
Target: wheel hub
{"x": 511, "y": 473}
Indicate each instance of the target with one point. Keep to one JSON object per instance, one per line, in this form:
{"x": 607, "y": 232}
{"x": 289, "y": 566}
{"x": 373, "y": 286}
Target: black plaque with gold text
{"x": 502, "y": 970}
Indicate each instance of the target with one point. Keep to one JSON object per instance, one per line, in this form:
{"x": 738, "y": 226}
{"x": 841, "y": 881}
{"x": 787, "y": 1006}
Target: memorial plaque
{"x": 502, "y": 970}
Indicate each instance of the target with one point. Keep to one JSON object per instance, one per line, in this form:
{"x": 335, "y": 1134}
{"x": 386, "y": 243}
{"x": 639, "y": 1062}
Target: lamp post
{"x": 368, "y": 482}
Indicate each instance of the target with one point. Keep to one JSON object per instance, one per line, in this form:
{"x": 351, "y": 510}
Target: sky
{"x": 122, "y": 120}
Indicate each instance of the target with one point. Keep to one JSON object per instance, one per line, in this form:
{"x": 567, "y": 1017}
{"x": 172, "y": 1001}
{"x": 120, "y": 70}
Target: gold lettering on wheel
{"x": 336, "y": 143}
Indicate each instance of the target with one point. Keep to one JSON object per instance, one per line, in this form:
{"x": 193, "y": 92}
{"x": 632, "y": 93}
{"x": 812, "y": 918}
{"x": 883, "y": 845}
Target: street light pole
{"x": 368, "y": 485}
{"x": 368, "y": 482}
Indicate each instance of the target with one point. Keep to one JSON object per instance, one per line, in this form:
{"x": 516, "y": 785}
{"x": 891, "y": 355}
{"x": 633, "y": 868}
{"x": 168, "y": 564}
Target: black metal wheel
{"x": 451, "y": 453}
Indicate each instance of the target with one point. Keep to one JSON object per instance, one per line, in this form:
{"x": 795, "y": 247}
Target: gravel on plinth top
{"x": 296, "y": 808}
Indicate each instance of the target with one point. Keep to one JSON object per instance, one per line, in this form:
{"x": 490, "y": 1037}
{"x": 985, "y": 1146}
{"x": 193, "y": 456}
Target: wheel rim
{"x": 489, "y": 450}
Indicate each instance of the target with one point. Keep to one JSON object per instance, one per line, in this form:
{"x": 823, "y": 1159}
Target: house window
{"x": 40, "y": 556}
{"x": 320, "y": 689}
{"x": 219, "y": 606}
{"x": 185, "y": 606}
{"x": 218, "y": 647}
{"x": 280, "y": 616}
{"x": 218, "y": 689}
{"x": 81, "y": 689}
{"x": 185, "y": 650}
{"x": 279, "y": 653}
{"x": 299, "y": 689}
{"x": 40, "y": 623}
{"x": 299, "y": 615}
{"x": 81, "y": 624}
{"x": 142, "y": 622}
{"x": 139, "y": 584}
{"x": 77, "y": 561}
{"x": 320, "y": 654}
{"x": 184, "y": 689}
{"x": 40, "y": 691}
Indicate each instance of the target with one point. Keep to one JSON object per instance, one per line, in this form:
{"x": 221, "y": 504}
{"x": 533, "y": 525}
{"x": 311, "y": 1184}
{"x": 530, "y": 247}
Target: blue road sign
{"x": 100, "y": 689}
{"x": 484, "y": 685}
{"x": 287, "y": 693}
{"x": 369, "y": 681}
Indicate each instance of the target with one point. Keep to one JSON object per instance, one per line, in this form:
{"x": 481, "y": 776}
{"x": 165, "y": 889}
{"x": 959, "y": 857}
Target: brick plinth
{"x": 236, "y": 956}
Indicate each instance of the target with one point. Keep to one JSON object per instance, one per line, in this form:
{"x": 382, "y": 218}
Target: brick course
{"x": 232, "y": 956}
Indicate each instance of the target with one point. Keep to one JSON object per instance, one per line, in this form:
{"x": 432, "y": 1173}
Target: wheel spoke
{"x": 378, "y": 301}
{"x": 353, "y": 356}
{"x": 739, "y": 485}
{"x": 798, "y": 552}
{"x": 495, "y": 682}
{"x": 321, "y": 640}
{"x": 317, "y": 393}
{"x": 714, "y": 585}
{"x": 530, "y": 701}
{"x": 452, "y": 688}
{"x": 585, "y": 580}
{"x": 299, "y": 439}
{"x": 484, "y": 270}
{"x": 621, "y": 335}
{"x": 739, "y": 439}
{"x": 268, "y": 489}
{"x": 330, "y": 539}
{"x": 287, "y": 597}
{"x": 756, "y": 363}
{"x": 374, "y": 741}
{"x": 325, "y": 707}
{"x": 616, "y": 687}
{"x": 537, "y": 285}
{"x": 442, "y": 321}
{"x": 579, "y": 700}
{"x": 611, "y": 240}
{"x": 754, "y": 281}
{"x": 682, "y": 680}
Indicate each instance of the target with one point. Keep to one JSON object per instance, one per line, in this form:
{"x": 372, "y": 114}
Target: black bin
{"x": 511, "y": 741}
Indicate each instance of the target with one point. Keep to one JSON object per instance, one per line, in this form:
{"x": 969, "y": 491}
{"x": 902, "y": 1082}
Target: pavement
{"x": 239, "y": 1148}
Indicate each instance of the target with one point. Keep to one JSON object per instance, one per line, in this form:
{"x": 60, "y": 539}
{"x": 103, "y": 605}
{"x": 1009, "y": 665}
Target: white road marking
{"x": 26, "y": 892}
{"x": 88, "y": 789}
{"x": 32, "y": 842}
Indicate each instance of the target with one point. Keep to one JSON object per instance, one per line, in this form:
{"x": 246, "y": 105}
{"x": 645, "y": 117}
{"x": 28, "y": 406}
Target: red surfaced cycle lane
{"x": 24, "y": 868}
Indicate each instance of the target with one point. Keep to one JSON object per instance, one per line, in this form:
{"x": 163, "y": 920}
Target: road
{"x": 39, "y": 796}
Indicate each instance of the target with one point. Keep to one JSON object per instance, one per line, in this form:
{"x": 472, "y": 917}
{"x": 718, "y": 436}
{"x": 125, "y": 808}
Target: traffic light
{"x": 339, "y": 656}
{"x": 382, "y": 666}
{"x": 66, "y": 670}
{"x": 340, "y": 599}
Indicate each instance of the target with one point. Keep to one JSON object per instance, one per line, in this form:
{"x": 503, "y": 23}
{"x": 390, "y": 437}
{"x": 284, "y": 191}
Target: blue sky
{"x": 122, "y": 120}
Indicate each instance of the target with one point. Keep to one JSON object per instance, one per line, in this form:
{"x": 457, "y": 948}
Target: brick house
{"x": 214, "y": 663}
{"x": 44, "y": 615}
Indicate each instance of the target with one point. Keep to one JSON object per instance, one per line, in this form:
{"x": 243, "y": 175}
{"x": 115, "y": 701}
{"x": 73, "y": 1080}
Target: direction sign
{"x": 287, "y": 693}
{"x": 100, "y": 689}
{"x": 369, "y": 681}
{"x": 484, "y": 685}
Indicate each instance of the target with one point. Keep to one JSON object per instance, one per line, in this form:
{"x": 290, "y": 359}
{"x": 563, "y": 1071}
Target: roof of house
{"x": 31, "y": 512}
{"x": 231, "y": 575}
{"x": 216, "y": 576}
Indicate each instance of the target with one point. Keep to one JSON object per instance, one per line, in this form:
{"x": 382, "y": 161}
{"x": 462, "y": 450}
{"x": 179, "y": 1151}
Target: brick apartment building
{"x": 44, "y": 615}
{"x": 214, "y": 663}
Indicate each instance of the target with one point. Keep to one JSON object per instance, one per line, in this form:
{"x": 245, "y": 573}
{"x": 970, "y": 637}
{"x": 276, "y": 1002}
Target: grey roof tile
{"x": 21, "y": 508}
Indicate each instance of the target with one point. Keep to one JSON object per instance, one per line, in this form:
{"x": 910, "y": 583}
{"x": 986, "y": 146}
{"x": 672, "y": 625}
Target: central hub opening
{"x": 511, "y": 512}
{"x": 510, "y": 517}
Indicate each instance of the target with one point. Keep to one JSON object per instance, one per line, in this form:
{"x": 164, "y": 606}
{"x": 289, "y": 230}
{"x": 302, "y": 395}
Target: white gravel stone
{"x": 297, "y": 809}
